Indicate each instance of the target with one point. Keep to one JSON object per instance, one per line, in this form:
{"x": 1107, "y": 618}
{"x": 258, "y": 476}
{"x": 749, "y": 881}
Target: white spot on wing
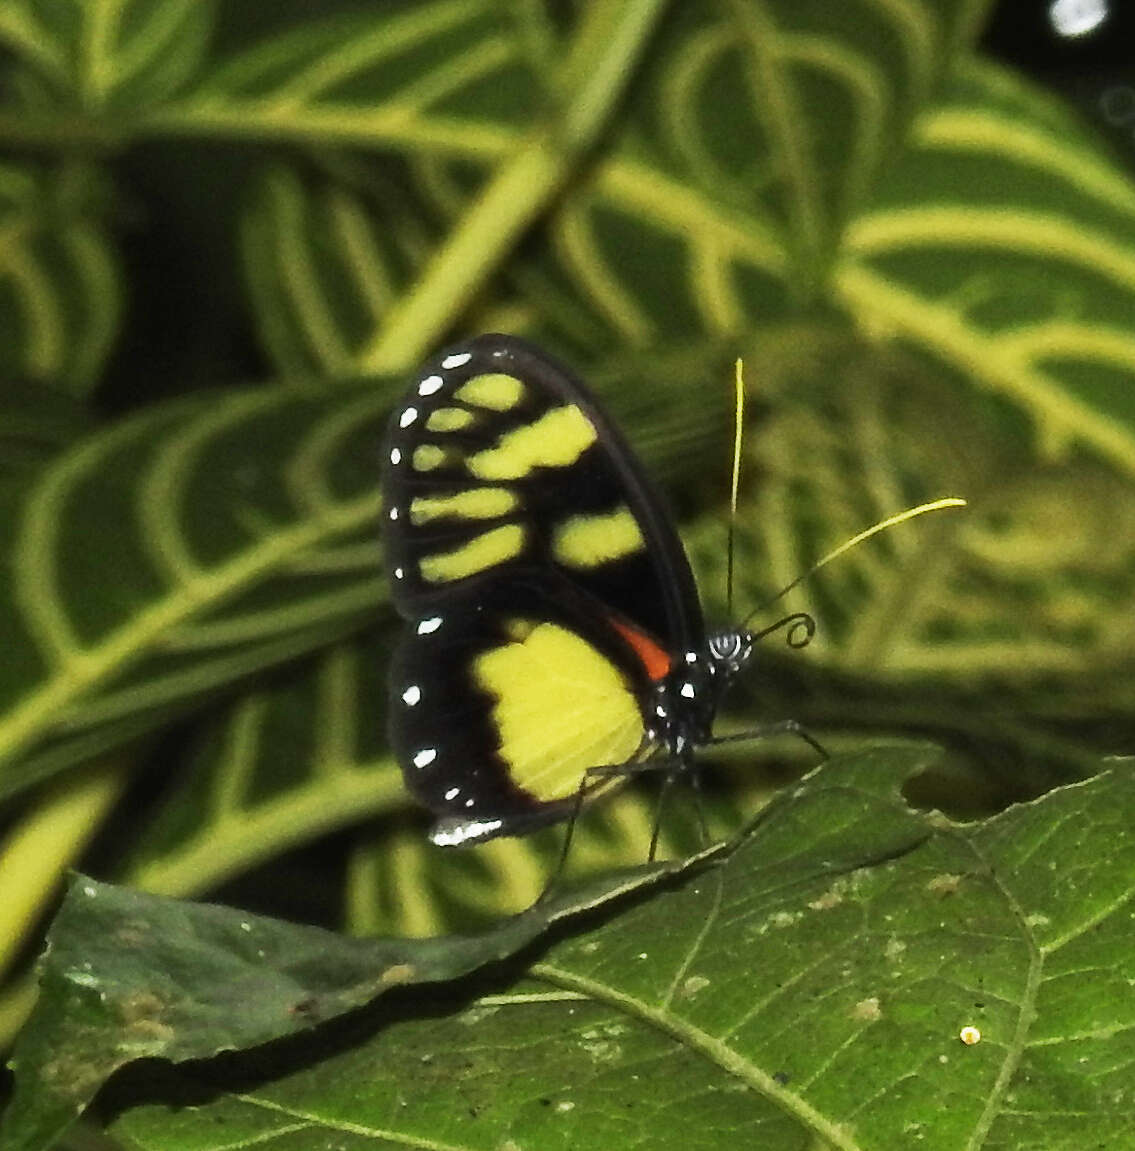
{"x": 399, "y": 573}
{"x": 687, "y": 691}
{"x": 454, "y": 832}
{"x": 457, "y": 360}
{"x": 427, "y": 626}
{"x": 430, "y": 385}
{"x": 407, "y": 417}
{"x": 412, "y": 695}
{"x": 395, "y": 455}
{"x": 425, "y": 757}
{"x": 393, "y": 513}
{"x": 453, "y": 793}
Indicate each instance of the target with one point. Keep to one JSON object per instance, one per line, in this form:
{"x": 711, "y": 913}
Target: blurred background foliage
{"x": 229, "y": 231}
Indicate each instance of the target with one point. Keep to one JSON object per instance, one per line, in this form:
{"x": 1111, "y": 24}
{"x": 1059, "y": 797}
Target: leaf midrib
{"x": 718, "y": 1053}
{"x": 73, "y": 670}
{"x": 127, "y": 642}
{"x": 1026, "y": 1013}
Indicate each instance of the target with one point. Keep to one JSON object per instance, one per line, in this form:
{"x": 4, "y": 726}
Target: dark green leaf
{"x": 1002, "y": 243}
{"x": 811, "y": 985}
{"x": 36, "y": 422}
{"x": 723, "y": 194}
{"x": 293, "y": 758}
{"x": 95, "y": 58}
{"x": 170, "y": 553}
{"x": 60, "y": 295}
{"x": 131, "y": 976}
{"x": 812, "y": 991}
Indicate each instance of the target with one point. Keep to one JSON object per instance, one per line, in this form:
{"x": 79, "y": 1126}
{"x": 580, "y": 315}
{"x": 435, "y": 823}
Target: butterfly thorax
{"x": 686, "y": 699}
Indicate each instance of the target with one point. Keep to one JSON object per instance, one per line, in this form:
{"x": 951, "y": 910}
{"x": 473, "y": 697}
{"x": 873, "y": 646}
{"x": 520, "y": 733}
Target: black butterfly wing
{"x": 544, "y": 583}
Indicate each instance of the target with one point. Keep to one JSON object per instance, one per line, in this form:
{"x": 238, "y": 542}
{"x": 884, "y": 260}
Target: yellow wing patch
{"x": 494, "y": 390}
{"x": 427, "y": 457}
{"x": 558, "y": 438}
{"x": 448, "y": 420}
{"x": 561, "y": 707}
{"x": 588, "y": 541}
{"x": 490, "y": 548}
{"x": 470, "y": 504}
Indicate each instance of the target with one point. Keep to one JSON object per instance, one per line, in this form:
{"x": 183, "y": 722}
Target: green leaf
{"x": 106, "y": 55}
{"x": 175, "y": 551}
{"x": 729, "y": 154}
{"x": 60, "y": 290}
{"x": 810, "y": 984}
{"x": 999, "y": 245}
{"x": 327, "y": 256}
{"x": 1032, "y": 580}
{"x": 36, "y": 422}
{"x": 418, "y": 72}
{"x": 1003, "y": 243}
{"x": 998, "y": 242}
{"x": 292, "y": 759}
{"x": 811, "y": 991}
{"x": 455, "y": 76}
{"x": 131, "y": 976}
{"x": 775, "y": 121}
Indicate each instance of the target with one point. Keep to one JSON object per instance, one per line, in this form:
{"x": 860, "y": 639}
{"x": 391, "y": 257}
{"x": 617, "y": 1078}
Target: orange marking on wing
{"x": 655, "y": 659}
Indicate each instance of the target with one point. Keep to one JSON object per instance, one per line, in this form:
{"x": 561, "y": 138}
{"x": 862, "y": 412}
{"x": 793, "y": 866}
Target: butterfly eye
{"x": 731, "y": 649}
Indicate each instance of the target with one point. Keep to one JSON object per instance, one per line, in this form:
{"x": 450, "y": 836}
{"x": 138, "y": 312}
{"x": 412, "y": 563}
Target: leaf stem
{"x": 599, "y": 65}
{"x": 16, "y": 1001}
{"x": 35, "y": 855}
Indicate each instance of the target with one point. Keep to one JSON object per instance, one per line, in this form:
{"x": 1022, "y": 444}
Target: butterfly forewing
{"x": 500, "y": 460}
{"x": 543, "y": 582}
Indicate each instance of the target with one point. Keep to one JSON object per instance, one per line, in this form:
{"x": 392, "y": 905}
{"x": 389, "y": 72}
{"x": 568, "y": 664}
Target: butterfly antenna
{"x": 735, "y": 484}
{"x": 882, "y": 525}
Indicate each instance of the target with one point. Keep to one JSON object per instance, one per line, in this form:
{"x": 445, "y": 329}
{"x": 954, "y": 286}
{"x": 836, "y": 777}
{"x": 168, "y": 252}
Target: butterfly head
{"x": 686, "y": 700}
{"x": 730, "y": 650}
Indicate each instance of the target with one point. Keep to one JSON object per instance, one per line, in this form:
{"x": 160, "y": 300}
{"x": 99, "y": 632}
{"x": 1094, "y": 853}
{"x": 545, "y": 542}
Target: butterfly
{"x": 554, "y": 639}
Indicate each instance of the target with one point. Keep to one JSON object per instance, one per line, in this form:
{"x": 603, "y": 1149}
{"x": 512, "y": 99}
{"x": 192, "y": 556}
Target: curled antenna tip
{"x": 801, "y": 628}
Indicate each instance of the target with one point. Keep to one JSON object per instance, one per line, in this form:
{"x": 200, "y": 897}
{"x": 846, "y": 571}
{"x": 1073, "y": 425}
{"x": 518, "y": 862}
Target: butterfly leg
{"x": 699, "y": 807}
{"x": 676, "y": 768}
{"x": 592, "y": 779}
{"x": 783, "y": 727}
{"x": 679, "y": 767}
{"x": 673, "y": 768}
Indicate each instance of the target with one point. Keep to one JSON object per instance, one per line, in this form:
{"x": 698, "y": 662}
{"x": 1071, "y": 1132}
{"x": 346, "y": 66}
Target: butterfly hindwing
{"x": 499, "y": 708}
{"x": 543, "y": 581}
